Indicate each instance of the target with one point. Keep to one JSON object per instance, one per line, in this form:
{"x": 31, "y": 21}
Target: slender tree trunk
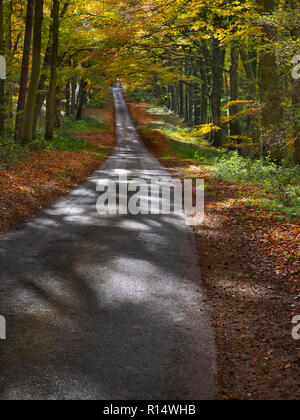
{"x": 35, "y": 73}
{"x": 73, "y": 92}
{"x": 218, "y": 56}
{"x": 73, "y": 96}
{"x": 269, "y": 91}
{"x": 296, "y": 111}
{"x": 81, "y": 99}
{"x": 168, "y": 98}
{"x": 204, "y": 71}
{"x": 191, "y": 105}
{"x": 50, "y": 112}
{"x": 42, "y": 89}
{"x": 181, "y": 99}
{"x": 9, "y": 54}
{"x": 40, "y": 99}
{"x": 235, "y": 126}
{"x": 58, "y": 108}
{"x": 187, "y": 104}
{"x": 173, "y": 101}
{"x": 251, "y": 94}
{"x": 68, "y": 98}
{"x": 2, "y": 83}
{"x": 197, "y": 98}
{"x": 24, "y": 71}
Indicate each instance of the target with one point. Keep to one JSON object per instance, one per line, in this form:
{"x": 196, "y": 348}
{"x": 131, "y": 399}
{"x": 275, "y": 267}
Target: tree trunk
{"x": 35, "y": 72}
{"x": 197, "y": 98}
{"x": 50, "y": 112}
{"x": 168, "y": 98}
{"x": 204, "y": 71}
{"x": 187, "y": 104}
{"x": 2, "y": 83}
{"x": 42, "y": 89}
{"x": 269, "y": 91}
{"x": 24, "y": 71}
{"x": 296, "y": 111}
{"x": 57, "y": 120}
{"x": 218, "y": 56}
{"x": 67, "y": 99}
{"x": 9, "y": 55}
{"x": 73, "y": 92}
{"x": 251, "y": 93}
{"x": 181, "y": 99}
{"x": 235, "y": 126}
{"x": 82, "y": 99}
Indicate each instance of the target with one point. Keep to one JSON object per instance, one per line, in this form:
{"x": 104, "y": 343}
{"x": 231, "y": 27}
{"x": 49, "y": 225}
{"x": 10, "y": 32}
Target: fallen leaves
{"x": 43, "y": 177}
{"x": 250, "y": 271}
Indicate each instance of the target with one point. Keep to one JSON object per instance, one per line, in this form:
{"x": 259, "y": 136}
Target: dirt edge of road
{"x": 251, "y": 305}
{"x": 42, "y": 178}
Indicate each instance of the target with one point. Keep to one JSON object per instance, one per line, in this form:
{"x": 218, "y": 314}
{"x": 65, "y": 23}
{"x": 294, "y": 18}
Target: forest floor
{"x": 42, "y": 177}
{"x": 250, "y": 265}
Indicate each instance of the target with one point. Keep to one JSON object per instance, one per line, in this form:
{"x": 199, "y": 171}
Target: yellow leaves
{"x": 238, "y": 102}
{"x": 251, "y": 109}
{"x": 202, "y": 130}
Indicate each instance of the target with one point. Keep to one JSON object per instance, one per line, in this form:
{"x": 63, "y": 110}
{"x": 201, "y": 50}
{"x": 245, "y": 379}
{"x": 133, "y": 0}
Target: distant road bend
{"x": 104, "y": 307}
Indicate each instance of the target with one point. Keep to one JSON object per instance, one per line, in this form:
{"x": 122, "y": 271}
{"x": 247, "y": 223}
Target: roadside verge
{"x": 250, "y": 265}
{"x": 45, "y": 175}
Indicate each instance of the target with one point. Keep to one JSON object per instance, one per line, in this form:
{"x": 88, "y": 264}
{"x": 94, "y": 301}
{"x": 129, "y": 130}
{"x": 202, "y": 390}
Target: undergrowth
{"x": 278, "y": 184}
{"x": 12, "y": 152}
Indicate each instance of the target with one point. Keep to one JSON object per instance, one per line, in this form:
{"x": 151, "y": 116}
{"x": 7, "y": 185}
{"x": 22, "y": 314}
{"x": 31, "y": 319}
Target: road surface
{"x": 104, "y": 307}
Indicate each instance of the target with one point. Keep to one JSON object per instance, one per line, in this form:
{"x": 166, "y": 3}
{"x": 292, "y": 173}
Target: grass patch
{"x": 12, "y": 152}
{"x": 278, "y": 185}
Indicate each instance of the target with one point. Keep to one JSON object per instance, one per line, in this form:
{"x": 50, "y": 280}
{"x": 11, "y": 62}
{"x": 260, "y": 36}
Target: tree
{"x": 2, "y": 85}
{"x": 235, "y": 126}
{"x": 269, "y": 92}
{"x": 35, "y": 72}
{"x": 81, "y": 99}
{"x": 24, "y": 71}
{"x": 50, "y": 114}
{"x": 218, "y": 55}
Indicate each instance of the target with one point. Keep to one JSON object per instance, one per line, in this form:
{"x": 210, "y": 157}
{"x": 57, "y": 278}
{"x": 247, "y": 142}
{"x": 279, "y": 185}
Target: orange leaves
{"x": 44, "y": 177}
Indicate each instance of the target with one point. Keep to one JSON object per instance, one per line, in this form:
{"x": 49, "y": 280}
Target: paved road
{"x": 104, "y": 307}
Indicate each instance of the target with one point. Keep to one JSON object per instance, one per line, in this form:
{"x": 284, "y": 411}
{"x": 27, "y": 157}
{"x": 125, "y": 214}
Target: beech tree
{"x": 24, "y": 71}
{"x": 2, "y": 91}
{"x": 224, "y": 67}
{"x": 53, "y": 74}
{"x": 35, "y": 72}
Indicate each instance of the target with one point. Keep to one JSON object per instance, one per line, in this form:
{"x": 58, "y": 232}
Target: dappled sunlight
{"x": 108, "y": 302}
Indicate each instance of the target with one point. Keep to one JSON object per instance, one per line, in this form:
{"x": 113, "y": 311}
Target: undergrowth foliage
{"x": 63, "y": 139}
{"x": 278, "y": 183}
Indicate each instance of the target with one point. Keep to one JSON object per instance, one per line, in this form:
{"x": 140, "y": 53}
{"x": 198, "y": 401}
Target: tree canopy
{"x": 224, "y": 66}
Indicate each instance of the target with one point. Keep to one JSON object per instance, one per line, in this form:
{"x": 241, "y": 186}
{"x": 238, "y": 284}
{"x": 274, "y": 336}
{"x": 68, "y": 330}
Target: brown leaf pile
{"x": 43, "y": 177}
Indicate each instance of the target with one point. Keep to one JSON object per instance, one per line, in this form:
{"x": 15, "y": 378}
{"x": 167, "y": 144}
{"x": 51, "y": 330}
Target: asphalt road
{"x": 104, "y": 307}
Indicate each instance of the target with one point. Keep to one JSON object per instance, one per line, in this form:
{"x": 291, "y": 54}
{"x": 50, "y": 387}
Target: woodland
{"x": 230, "y": 69}
{"x": 213, "y": 87}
